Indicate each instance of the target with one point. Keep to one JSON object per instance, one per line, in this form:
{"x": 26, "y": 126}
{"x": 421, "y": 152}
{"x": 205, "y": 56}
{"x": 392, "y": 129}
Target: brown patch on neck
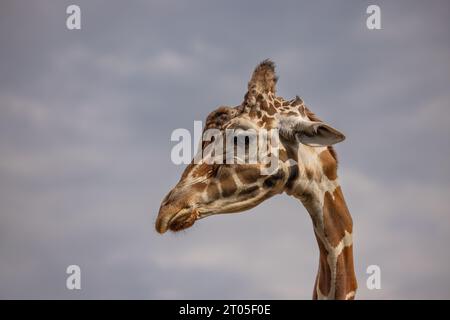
{"x": 329, "y": 164}
{"x": 336, "y": 217}
{"x": 345, "y": 274}
{"x": 323, "y": 281}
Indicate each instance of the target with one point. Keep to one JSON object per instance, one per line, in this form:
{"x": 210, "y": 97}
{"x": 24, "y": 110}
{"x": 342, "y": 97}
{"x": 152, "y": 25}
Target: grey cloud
{"x": 85, "y": 124}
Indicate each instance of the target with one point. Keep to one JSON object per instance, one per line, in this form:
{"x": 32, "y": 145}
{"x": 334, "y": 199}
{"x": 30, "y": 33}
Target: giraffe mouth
{"x": 183, "y": 219}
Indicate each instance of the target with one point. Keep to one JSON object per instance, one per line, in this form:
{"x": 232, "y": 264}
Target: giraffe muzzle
{"x": 175, "y": 219}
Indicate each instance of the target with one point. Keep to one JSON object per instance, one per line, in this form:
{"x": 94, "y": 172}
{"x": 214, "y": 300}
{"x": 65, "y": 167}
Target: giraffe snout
{"x": 175, "y": 215}
{"x": 162, "y": 222}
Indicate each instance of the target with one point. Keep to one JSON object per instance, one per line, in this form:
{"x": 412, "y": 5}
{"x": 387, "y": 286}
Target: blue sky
{"x": 85, "y": 124}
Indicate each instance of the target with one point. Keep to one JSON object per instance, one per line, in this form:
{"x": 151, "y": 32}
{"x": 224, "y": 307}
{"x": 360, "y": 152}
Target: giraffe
{"x": 306, "y": 170}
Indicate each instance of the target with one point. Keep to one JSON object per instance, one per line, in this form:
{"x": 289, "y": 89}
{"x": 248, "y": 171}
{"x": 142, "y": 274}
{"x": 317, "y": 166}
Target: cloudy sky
{"x": 85, "y": 124}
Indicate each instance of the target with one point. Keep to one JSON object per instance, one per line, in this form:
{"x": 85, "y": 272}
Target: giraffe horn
{"x": 264, "y": 78}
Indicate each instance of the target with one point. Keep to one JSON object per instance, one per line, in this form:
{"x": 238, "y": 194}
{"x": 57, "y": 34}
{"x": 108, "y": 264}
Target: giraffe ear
{"x": 311, "y": 133}
{"x": 263, "y": 80}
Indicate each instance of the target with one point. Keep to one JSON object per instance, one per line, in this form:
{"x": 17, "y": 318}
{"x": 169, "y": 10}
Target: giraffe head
{"x": 304, "y": 155}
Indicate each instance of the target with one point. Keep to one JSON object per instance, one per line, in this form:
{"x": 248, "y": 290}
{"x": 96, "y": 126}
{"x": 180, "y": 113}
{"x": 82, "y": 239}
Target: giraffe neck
{"x": 333, "y": 227}
{"x": 333, "y": 230}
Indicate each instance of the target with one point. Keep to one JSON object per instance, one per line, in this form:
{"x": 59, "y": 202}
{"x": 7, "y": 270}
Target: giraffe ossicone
{"x": 306, "y": 168}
